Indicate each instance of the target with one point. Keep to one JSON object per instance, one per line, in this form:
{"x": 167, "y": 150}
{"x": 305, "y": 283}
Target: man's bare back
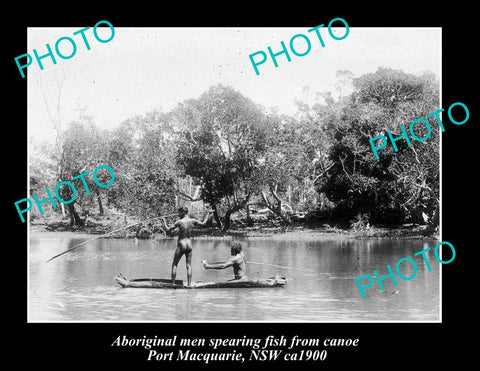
{"x": 184, "y": 244}
{"x": 185, "y": 226}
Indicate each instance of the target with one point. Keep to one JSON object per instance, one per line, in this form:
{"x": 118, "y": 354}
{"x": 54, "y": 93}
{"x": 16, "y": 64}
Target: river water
{"x": 79, "y": 286}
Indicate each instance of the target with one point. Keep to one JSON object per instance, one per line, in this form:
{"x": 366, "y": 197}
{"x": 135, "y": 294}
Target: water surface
{"x": 79, "y": 286}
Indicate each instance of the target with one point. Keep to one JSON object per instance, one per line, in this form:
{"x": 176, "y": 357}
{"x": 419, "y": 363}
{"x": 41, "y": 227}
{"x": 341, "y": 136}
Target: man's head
{"x": 235, "y": 248}
{"x": 182, "y": 211}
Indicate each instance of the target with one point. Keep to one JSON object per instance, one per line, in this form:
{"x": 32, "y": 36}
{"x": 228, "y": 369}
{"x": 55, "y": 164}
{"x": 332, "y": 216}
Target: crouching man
{"x": 237, "y": 262}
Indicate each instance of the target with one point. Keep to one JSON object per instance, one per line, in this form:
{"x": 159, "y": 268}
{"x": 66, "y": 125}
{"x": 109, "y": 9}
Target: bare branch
{"x": 189, "y": 198}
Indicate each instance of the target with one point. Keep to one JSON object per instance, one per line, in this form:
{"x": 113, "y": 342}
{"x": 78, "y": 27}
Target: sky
{"x": 142, "y": 69}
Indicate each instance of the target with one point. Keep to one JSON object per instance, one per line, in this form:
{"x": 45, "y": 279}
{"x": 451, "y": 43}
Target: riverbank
{"x": 292, "y": 232}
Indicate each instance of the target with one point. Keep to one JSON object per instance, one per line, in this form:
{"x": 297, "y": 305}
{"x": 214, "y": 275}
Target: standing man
{"x": 184, "y": 245}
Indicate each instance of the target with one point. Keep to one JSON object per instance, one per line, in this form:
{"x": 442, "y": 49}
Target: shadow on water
{"x": 79, "y": 286}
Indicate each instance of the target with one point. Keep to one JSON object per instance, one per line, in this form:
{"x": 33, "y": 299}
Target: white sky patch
{"x": 143, "y": 69}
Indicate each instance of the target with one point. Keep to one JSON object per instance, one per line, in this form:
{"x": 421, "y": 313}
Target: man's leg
{"x": 176, "y": 259}
{"x": 188, "y": 261}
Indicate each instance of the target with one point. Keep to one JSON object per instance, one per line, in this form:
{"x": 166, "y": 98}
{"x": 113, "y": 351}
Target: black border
{"x": 381, "y": 344}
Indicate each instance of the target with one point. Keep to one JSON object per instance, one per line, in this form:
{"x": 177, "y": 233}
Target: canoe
{"x": 161, "y": 283}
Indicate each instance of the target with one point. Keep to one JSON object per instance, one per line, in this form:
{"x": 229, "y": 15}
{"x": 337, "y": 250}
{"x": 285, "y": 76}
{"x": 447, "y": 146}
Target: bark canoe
{"x": 161, "y": 283}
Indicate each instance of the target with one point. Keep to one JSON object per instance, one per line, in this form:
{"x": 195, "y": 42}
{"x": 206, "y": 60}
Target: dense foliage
{"x": 226, "y": 152}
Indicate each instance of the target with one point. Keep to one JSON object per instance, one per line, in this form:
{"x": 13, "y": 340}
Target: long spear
{"x": 106, "y": 234}
{"x": 268, "y": 265}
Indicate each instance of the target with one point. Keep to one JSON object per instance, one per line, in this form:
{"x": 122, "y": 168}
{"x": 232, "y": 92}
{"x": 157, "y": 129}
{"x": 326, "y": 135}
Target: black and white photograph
{"x": 238, "y": 190}
{"x": 224, "y": 187}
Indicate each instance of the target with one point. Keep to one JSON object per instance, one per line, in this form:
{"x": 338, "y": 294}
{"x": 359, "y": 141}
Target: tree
{"x": 82, "y": 149}
{"x": 343, "y": 83}
{"x": 221, "y": 137}
{"x": 42, "y": 169}
{"x": 291, "y": 163}
{"x": 142, "y": 152}
{"x": 394, "y": 188}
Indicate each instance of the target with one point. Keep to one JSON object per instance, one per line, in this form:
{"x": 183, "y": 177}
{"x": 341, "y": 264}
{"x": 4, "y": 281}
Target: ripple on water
{"x": 79, "y": 286}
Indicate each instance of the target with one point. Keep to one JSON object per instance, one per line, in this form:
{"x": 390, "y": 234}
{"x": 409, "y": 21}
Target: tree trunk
{"x": 216, "y": 217}
{"x": 289, "y": 193}
{"x": 249, "y": 216}
{"x": 75, "y": 219}
{"x": 226, "y": 220}
{"x": 276, "y": 207}
{"x": 434, "y": 222}
{"x": 236, "y": 206}
{"x": 100, "y": 204}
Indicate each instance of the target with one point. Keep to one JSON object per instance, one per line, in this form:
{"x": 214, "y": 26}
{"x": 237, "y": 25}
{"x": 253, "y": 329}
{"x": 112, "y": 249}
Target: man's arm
{"x": 205, "y": 220}
{"x": 227, "y": 264}
{"x": 171, "y": 228}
